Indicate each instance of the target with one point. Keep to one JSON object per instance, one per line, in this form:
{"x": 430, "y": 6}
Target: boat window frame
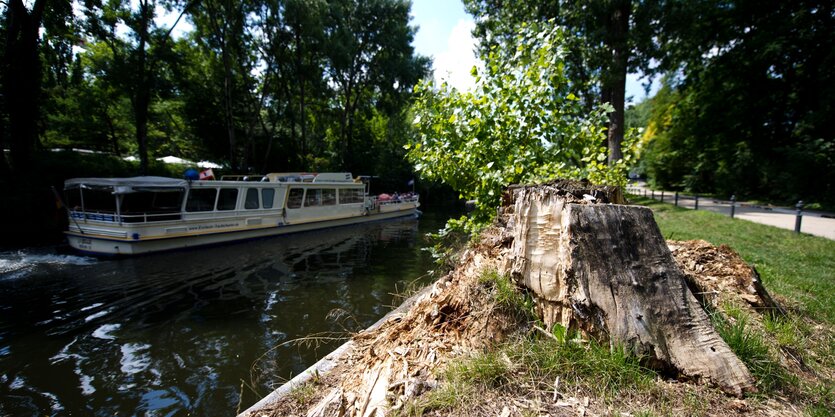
{"x": 271, "y": 199}
{"x": 152, "y": 211}
{"x": 200, "y": 190}
{"x": 357, "y": 195}
{"x": 257, "y": 198}
{"x": 290, "y": 197}
{"x": 328, "y": 200}
{"x": 234, "y": 199}
{"x": 315, "y": 197}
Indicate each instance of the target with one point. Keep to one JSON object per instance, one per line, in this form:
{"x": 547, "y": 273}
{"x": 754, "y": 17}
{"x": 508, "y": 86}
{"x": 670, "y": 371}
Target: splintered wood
{"x": 593, "y": 265}
{"x": 718, "y": 274}
{"x": 396, "y": 362}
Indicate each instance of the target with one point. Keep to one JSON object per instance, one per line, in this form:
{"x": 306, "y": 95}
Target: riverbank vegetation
{"x": 789, "y": 355}
{"x": 474, "y": 346}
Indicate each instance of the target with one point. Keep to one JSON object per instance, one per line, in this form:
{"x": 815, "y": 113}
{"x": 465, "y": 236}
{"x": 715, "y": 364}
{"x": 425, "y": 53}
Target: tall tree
{"x": 606, "y": 40}
{"x": 369, "y": 56}
{"x": 22, "y": 77}
{"x": 136, "y": 59}
{"x": 749, "y": 112}
{"x": 221, "y": 28}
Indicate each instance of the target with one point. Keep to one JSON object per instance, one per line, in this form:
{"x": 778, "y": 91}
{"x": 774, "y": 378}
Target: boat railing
{"x": 146, "y": 217}
{"x": 248, "y": 178}
{"x": 111, "y": 217}
{"x": 398, "y": 200}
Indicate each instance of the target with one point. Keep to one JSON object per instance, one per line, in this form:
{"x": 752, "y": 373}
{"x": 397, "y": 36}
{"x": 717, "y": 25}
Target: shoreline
{"x": 329, "y": 361}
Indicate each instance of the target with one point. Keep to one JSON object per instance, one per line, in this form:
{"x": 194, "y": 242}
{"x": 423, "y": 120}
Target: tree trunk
{"x": 22, "y": 79}
{"x": 227, "y": 101}
{"x": 615, "y": 80}
{"x": 606, "y": 270}
{"x": 114, "y": 140}
{"x": 142, "y": 95}
{"x": 302, "y": 105}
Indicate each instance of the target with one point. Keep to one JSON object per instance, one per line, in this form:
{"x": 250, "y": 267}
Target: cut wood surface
{"x": 607, "y": 271}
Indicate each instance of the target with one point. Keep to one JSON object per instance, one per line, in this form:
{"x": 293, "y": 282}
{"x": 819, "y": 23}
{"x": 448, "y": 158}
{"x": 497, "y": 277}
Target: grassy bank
{"x": 799, "y": 267}
{"x": 791, "y": 357}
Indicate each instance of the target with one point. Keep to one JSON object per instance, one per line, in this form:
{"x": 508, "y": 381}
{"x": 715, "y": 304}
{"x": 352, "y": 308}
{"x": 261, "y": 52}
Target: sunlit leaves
{"x": 520, "y": 124}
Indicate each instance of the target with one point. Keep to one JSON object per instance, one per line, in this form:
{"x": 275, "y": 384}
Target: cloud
{"x": 454, "y": 64}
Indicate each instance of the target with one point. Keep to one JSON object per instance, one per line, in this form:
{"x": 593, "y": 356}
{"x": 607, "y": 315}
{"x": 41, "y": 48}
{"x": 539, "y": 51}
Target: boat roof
{"x": 309, "y": 177}
{"x": 146, "y": 181}
{"x": 132, "y": 184}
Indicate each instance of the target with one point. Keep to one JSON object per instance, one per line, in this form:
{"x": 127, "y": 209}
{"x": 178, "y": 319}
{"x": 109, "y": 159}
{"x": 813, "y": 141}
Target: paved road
{"x": 813, "y": 222}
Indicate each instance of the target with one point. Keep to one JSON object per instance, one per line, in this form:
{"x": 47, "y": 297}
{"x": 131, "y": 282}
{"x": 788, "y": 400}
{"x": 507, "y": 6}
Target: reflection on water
{"x": 191, "y": 332}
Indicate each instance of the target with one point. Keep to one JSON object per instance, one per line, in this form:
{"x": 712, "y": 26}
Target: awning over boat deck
{"x": 126, "y": 185}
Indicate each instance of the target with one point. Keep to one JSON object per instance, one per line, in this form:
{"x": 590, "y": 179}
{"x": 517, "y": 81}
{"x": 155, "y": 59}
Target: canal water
{"x": 197, "y": 332}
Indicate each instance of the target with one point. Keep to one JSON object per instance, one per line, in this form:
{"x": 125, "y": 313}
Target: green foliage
{"x": 261, "y": 86}
{"x": 521, "y": 124}
{"x": 748, "y": 112}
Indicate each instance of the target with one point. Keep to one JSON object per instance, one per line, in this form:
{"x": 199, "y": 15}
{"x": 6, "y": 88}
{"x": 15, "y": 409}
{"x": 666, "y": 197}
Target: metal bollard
{"x": 676, "y": 198}
{"x": 653, "y": 194}
{"x": 662, "y": 196}
{"x": 799, "y": 218}
{"x": 733, "y": 205}
{"x": 697, "y": 203}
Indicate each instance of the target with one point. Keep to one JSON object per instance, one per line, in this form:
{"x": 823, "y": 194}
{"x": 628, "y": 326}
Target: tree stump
{"x": 605, "y": 269}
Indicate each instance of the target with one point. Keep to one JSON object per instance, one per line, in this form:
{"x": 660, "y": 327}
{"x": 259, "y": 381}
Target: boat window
{"x": 268, "y": 196}
{"x": 313, "y": 197}
{"x": 153, "y": 204}
{"x": 201, "y": 199}
{"x": 294, "y": 200}
{"x": 73, "y": 198}
{"x": 228, "y": 199}
{"x": 328, "y": 196}
{"x": 350, "y": 196}
{"x": 251, "y": 201}
{"x": 99, "y": 200}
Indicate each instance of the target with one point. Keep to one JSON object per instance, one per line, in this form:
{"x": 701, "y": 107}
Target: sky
{"x": 444, "y": 34}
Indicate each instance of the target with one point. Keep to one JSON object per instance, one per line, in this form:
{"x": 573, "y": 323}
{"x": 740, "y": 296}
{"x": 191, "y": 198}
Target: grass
{"x": 791, "y": 357}
{"x": 799, "y": 267}
{"x": 800, "y": 270}
{"x": 508, "y": 296}
{"x": 751, "y": 348}
{"x": 303, "y": 393}
{"x": 530, "y": 367}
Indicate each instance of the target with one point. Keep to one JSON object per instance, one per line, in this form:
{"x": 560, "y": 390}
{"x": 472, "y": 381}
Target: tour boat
{"x": 129, "y": 216}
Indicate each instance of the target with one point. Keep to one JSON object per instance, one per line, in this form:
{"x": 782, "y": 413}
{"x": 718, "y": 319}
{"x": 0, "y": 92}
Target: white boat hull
{"x": 94, "y": 243}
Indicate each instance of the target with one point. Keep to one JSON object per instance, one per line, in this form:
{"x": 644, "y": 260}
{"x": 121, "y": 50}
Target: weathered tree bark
{"x": 606, "y": 270}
